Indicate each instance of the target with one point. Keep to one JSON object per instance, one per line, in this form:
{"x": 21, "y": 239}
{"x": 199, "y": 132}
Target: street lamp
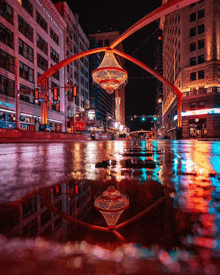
{"x": 161, "y": 101}
{"x": 111, "y": 204}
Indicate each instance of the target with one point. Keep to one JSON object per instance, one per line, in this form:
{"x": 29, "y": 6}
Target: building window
{"x": 56, "y": 75}
{"x": 193, "y": 46}
{"x": 201, "y": 105}
{"x": 42, "y": 44}
{"x": 192, "y": 61}
{"x": 26, "y": 72}
{"x": 106, "y": 42}
{"x": 201, "y": 44}
{"x": 201, "y": 28}
{"x": 193, "y": 106}
{"x": 7, "y": 61}
{"x": 201, "y": 13}
{"x": 201, "y": 74}
{"x": 6, "y": 36}
{"x": 25, "y": 28}
{"x": 192, "y": 32}
{"x": 7, "y": 86}
{"x": 6, "y": 11}
{"x": 100, "y": 43}
{"x": 54, "y": 55}
{"x": 42, "y": 62}
{"x": 54, "y": 36}
{"x": 28, "y": 6}
{"x": 41, "y": 21}
{"x": 192, "y": 17}
{"x": 193, "y": 76}
{"x": 192, "y": 5}
{"x": 25, "y": 50}
{"x": 201, "y": 59}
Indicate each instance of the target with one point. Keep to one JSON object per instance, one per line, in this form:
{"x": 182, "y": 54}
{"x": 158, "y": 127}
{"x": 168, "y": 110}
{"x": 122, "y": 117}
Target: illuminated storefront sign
{"x": 91, "y": 115}
{"x": 6, "y": 104}
{"x": 199, "y": 112}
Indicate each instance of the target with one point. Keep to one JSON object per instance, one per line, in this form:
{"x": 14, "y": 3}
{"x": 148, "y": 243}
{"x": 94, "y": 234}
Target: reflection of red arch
{"x": 168, "y": 7}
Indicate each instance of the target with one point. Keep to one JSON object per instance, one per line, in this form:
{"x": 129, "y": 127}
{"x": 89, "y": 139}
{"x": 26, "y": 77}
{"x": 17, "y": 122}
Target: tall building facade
{"x": 191, "y": 60}
{"x": 35, "y": 36}
{"x": 108, "y": 106}
{"x": 159, "y": 84}
{"x": 76, "y": 73}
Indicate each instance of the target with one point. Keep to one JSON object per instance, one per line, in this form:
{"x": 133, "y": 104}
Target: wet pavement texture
{"x": 179, "y": 235}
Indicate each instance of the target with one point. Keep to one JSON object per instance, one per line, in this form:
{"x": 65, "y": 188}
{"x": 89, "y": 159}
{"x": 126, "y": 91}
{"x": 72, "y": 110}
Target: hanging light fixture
{"x": 109, "y": 75}
{"x": 111, "y": 204}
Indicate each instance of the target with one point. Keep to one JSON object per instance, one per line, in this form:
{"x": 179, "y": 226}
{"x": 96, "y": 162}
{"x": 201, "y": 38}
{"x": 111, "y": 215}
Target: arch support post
{"x": 179, "y": 118}
{"x": 44, "y": 111}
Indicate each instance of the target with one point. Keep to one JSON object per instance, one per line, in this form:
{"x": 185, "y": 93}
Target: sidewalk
{"x": 17, "y": 136}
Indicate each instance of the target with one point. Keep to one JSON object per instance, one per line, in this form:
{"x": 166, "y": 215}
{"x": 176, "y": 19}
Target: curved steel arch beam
{"x": 163, "y": 10}
{"x": 150, "y": 70}
{"x": 159, "y": 77}
{"x": 67, "y": 61}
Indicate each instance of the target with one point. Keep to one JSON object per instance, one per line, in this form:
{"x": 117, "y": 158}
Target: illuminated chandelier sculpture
{"x": 111, "y": 204}
{"x": 109, "y": 75}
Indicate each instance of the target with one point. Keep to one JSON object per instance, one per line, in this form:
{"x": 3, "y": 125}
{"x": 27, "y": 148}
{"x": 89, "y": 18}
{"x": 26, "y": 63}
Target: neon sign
{"x": 199, "y": 112}
{"x": 6, "y": 104}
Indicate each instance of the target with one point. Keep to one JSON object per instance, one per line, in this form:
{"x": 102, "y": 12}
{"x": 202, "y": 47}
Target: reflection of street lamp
{"x": 161, "y": 101}
{"x": 111, "y": 204}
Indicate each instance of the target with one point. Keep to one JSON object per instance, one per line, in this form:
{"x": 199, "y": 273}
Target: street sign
{"x": 41, "y": 99}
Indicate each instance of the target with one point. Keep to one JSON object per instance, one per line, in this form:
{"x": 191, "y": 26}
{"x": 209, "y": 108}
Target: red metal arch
{"x": 168, "y": 7}
{"x": 159, "y": 77}
{"x": 42, "y": 79}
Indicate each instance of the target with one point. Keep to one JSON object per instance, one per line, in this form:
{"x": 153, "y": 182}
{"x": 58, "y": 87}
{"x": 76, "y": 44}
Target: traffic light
{"x": 36, "y": 94}
{"x": 155, "y": 118}
{"x": 55, "y": 94}
{"x": 75, "y": 91}
{"x": 143, "y": 118}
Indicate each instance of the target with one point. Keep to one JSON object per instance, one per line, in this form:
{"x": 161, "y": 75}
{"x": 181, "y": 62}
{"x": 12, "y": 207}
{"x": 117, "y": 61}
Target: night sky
{"x": 112, "y": 15}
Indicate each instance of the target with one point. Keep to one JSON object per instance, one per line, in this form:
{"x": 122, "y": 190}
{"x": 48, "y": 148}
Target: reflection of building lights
{"x": 121, "y": 127}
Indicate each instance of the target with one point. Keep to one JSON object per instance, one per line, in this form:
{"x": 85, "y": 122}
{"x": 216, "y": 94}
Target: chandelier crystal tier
{"x": 109, "y": 75}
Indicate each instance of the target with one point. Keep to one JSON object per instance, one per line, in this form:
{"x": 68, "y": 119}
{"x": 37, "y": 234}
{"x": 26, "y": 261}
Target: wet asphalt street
{"x": 189, "y": 169}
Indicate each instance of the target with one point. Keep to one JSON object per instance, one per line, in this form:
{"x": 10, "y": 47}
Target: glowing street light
{"x": 161, "y": 101}
{"x": 111, "y": 204}
{"x": 109, "y": 75}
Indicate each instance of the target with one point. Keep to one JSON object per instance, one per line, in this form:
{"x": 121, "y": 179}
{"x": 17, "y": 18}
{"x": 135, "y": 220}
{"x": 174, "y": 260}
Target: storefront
{"x": 7, "y": 119}
{"x": 197, "y": 128}
{"x": 27, "y": 122}
{"x": 55, "y": 125}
